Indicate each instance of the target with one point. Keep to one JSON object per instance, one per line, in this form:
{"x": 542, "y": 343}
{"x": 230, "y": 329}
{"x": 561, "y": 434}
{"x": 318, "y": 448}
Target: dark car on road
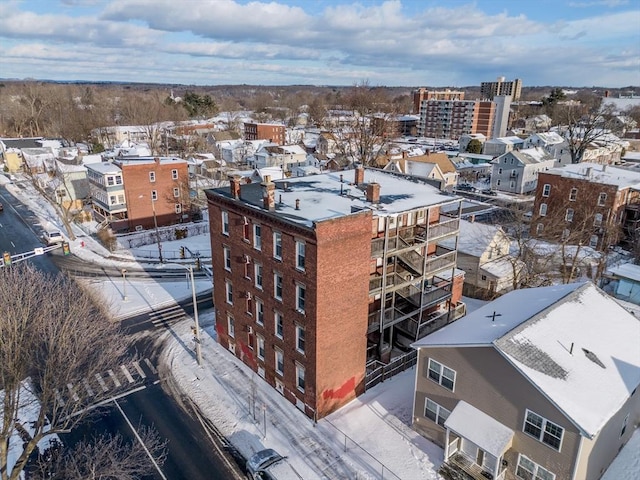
{"x": 488, "y": 191}
{"x": 465, "y": 187}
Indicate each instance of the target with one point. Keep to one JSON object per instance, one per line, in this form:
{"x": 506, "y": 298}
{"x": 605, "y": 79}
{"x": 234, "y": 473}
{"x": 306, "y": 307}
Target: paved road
{"x": 191, "y": 452}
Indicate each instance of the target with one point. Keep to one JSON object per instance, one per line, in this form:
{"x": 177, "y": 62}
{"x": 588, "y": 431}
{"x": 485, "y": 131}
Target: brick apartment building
{"x": 597, "y": 204}
{"x": 454, "y": 118}
{"x": 424, "y": 94}
{"x": 314, "y": 278}
{"x": 488, "y": 90}
{"x": 155, "y": 187}
{"x": 274, "y": 132}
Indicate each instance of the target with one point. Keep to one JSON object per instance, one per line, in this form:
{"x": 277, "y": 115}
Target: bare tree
{"x": 53, "y": 335}
{"x": 106, "y": 457}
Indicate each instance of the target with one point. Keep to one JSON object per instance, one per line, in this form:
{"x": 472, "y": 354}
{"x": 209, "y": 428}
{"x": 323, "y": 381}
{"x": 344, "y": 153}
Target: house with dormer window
{"x": 541, "y": 383}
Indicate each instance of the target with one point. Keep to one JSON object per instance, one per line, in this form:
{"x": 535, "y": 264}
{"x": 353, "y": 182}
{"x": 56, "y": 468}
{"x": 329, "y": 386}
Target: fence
{"x": 384, "y": 371}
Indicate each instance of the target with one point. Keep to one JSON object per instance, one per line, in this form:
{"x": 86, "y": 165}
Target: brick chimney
{"x": 359, "y": 175}
{"x": 268, "y": 193}
{"x": 157, "y": 160}
{"x": 234, "y": 182}
{"x": 373, "y": 193}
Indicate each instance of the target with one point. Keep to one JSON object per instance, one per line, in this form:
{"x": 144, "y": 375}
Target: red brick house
{"x": 315, "y": 278}
{"x": 156, "y": 190}
{"x": 274, "y": 132}
{"x": 597, "y": 205}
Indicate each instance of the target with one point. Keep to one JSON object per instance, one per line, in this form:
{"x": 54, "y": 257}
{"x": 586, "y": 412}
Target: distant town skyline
{"x": 323, "y": 42}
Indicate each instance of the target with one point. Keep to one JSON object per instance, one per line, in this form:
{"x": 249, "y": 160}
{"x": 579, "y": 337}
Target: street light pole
{"x": 124, "y": 284}
{"x": 195, "y": 316}
{"x": 155, "y": 224}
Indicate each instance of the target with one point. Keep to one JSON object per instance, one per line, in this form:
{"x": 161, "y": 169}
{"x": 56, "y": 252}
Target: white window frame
{"x": 226, "y": 252}
{"x": 278, "y": 286}
{"x": 543, "y": 210}
{"x": 152, "y": 177}
{"x": 176, "y": 192}
{"x": 440, "y": 373}
{"x": 279, "y": 362}
{"x": 300, "y": 377}
{"x": 258, "y": 275}
{"x": 441, "y": 413}
{"x": 225, "y": 222}
{"x": 300, "y": 339}
{"x": 259, "y": 312}
{"x": 602, "y": 199}
{"x": 231, "y": 326}
{"x": 543, "y": 429}
{"x": 536, "y": 470}
{"x": 573, "y": 194}
{"x": 260, "y": 347}
{"x": 174, "y": 174}
{"x": 301, "y": 297}
{"x": 178, "y": 208}
{"x": 568, "y": 216}
{"x": 154, "y": 195}
{"x": 277, "y": 245}
{"x": 257, "y": 236}
{"x": 228, "y": 292}
{"x": 539, "y": 228}
{"x": 597, "y": 220}
{"x": 546, "y": 189}
{"x": 300, "y": 255}
{"x": 278, "y": 325}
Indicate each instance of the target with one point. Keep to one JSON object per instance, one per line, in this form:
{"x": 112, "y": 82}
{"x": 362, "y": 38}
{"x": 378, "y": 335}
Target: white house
{"x": 517, "y": 172}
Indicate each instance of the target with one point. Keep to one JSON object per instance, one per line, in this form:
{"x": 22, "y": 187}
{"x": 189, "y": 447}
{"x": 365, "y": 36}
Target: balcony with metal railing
{"x": 405, "y": 238}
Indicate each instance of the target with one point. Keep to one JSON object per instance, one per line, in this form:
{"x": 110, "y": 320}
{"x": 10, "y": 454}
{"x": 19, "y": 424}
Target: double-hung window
{"x": 278, "y": 320}
{"x": 569, "y": 215}
{"x": 543, "y": 209}
{"x": 231, "y": 328}
{"x": 277, "y": 245}
{"x": 257, "y": 271}
{"x": 301, "y": 293}
{"x": 277, "y": 286}
{"x": 300, "y": 338}
{"x": 546, "y": 189}
{"x": 152, "y": 176}
{"x": 279, "y": 362}
{"x": 174, "y": 174}
{"x": 573, "y": 194}
{"x": 300, "y": 377}
{"x": 227, "y": 258}
{"x": 300, "y": 255}
{"x": 225, "y": 223}
{"x": 257, "y": 236}
{"x": 543, "y": 430}
{"x": 260, "y": 341}
{"x": 228, "y": 292}
{"x": 259, "y": 312}
{"x": 602, "y": 199}
{"x": 529, "y": 470}
{"x": 442, "y": 374}
{"x": 435, "y": 412}
{"x": 176, "y": 192}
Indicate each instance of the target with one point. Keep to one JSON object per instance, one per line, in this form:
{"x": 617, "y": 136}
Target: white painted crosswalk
{"x": 167, "y": 316}
{"x": 123, "y": 378}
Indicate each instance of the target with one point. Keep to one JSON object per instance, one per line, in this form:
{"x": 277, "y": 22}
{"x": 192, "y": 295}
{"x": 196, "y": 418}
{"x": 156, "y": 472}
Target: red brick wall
{"x": 344, "y": 254}
{"x": 138, "y": 187}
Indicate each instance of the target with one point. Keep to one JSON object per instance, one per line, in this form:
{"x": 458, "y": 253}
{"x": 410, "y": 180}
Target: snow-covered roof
{"x": 529, "y": 156}
{"x": 511, "y": 140}
{"x": 474, "y": 238}
{"x": 501, "y": 267}
{"x": 319, "y": 196}
{"x": 626, "y": 270}
{"x": 480, "y": 429}
{"x": 549, "y": 138}
{"x": 104, "y": 168}
{"x": 150, "y": 160}
{"x": 577, "y": 345}
{"x": 596, "y": 173}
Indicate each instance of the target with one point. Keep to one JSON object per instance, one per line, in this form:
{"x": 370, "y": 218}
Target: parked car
{"x": 51, "y": 237}
{"x": 465, "y": 187}
{"x": 270, "y": 465}
{"x": 488, "y": 191}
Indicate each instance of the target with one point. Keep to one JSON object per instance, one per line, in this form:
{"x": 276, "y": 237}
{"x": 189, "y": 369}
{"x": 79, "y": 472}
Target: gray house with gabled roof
{"x": 541, "y": 383}
{"x": 517, "y": 171}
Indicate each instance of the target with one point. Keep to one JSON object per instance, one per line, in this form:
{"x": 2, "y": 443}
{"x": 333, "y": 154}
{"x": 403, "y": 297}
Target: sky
{"x": 323, "y": 42}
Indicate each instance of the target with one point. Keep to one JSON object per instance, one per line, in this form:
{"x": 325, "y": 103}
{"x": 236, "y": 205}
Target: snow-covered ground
{"x": 369, "y": 438}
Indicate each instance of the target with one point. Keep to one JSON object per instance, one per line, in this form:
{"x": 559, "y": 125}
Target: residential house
{"x": 273, "y": 132}
{"x": 156, "y": 190}
{"x": 432, "y": 166}
{"x": 106, "y": 189}
{"x": 484, "y": 256}
{"x": 541, "y": 383}
{"x": 464, "y": 140}
{"x": 37, "y": 160}
{"x": 499, "y": 146}
{"x": 314, "y": 279}
{"x": 286, "y": 156}
{"x": 623, "y": 281}
{"x": 537, "y": 123}
{"x": 598, "y": 204}
{"x": 71, "y": 186}
{"x": 517, "y": 171}
{"x": 11, "y": 151}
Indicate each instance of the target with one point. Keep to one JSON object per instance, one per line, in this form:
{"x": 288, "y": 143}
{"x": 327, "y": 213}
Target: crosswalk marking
{"x": 126, "y": 373}
{"x": 101, "y": 382}
{"x": 87, "y": 387}
{"x": 136, "y": 365}
{"x": 114, "y": 378}
{"x": 150, "y": 365}
{"x": 166, "y": 317}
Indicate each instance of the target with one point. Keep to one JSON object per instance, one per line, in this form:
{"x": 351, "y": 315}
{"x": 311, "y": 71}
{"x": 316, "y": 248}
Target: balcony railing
{"x": 410, "y": 236}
